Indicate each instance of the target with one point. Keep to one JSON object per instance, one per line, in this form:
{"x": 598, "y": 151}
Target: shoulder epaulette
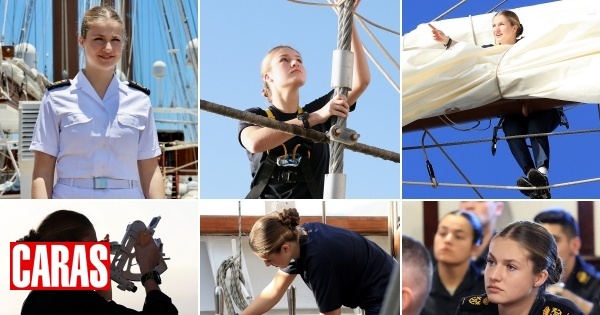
{"x": 138, "y": 86}
{"x": 57, "y": 84}
{"x": 474, "y": 302}
{"x": 556, "y": 307}
{"x": 583, "y": 277}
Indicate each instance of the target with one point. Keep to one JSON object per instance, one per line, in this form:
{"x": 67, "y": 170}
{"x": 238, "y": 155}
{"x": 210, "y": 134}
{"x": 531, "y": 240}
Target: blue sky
{"x": 573, "y": 157}
{"x": 235, "y": 37}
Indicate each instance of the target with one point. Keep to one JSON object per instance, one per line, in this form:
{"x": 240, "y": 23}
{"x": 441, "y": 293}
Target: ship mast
{"x": 64, "y": 26}
{"x": 126, "y": 14}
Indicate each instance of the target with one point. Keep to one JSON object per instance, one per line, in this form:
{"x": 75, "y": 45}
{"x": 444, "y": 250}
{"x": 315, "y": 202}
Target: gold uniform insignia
{"x": 556, "y": 311}
{"x": 485, "y": 301}
{"x": 476, "y": 300}
{"x": 546, "y": 311}
{"x": 583, "y": 277}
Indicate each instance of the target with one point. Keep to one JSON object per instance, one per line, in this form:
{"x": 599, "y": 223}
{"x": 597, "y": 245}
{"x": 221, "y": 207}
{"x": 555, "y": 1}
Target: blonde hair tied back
{"x": 265, "y": 66}
{"x": 272, "y": 231}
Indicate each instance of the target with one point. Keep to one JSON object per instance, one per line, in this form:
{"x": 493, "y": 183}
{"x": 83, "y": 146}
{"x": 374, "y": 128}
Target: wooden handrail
{"x": 228, "y": 224}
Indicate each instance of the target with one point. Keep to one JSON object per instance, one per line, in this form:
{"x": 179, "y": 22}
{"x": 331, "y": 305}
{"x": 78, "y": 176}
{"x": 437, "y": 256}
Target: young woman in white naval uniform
{"x": 97, "y": 132}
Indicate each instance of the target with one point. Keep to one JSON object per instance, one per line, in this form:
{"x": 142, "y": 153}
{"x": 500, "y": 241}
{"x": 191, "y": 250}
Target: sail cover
{"x": 558, "y": 58}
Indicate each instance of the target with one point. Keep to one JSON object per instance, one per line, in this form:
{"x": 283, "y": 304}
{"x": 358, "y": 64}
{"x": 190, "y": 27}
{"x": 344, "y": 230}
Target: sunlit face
{"x": 567, "y": 248}
{"x": 504, "y": 32}
{"x": 484, "y": 210}
{"x": 453, "y": 241}
{"x": 287, "y": 70}
{"x": 103, "y": 45}
{"x": 279, "y": 260}
{"x": 509, "y": 277}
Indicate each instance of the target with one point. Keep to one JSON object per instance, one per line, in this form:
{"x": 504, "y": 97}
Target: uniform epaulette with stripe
{"x": 474, "y": 302}
{"x": 57, "y": 84}
{"x": 559, "y": 307}
{"x": 138, "y": 86}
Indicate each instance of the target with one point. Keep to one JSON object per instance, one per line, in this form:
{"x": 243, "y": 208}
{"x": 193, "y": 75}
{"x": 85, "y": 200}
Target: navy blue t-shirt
{"x": 342, "y": 267}
{"x": 319, "y": 156}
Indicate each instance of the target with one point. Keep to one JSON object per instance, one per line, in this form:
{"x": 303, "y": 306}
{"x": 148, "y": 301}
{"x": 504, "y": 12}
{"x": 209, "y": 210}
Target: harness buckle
{"x": 288, "y": 161}
{"x": 100, "y": 183}
{"x": 285, "y": 176}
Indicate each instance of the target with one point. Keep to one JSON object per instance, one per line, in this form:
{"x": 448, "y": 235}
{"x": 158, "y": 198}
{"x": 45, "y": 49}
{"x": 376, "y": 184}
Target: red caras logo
{"x": 59, "y": 266}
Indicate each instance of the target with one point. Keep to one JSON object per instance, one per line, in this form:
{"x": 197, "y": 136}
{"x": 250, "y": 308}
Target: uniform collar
{"x": 467, "y": 283}
{"x": 82, "y": 82}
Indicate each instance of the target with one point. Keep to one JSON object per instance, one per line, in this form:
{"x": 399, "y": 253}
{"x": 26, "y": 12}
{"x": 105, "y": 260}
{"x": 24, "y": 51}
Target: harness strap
{"x": 269, "y": 164}
{"x": 261, "y": 179}
{"x": 311, "y": 180}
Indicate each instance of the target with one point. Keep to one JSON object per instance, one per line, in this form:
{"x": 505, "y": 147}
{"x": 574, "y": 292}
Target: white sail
{"x": 558, "y": 58}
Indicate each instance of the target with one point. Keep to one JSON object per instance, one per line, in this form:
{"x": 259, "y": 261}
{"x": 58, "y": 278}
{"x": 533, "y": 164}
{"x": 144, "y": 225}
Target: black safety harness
{"x": 291, "y": 167}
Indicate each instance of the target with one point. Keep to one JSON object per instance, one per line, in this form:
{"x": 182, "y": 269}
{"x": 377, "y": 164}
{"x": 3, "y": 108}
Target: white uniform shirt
{"x": 91, "y": 137}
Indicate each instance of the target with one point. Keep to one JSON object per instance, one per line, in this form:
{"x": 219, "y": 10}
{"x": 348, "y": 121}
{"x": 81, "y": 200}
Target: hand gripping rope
{"x": 120, "y": 267}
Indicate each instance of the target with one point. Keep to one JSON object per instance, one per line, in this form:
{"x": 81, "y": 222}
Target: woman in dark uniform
{"x": 455, "y": 275}
{"x": 71, "y": 226}
{"x": 341, "y": 267}
{"x": 522, "y": 261}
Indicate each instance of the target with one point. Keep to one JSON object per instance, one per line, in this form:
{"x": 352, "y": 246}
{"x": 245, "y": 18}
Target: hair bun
{"x": 33, "y": 236}
{"x": 290, "y": 218}
{"x": 520, "y": 30}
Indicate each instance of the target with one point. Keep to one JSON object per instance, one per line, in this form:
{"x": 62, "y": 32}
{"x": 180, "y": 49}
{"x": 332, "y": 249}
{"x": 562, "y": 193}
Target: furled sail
{"x": 558, "y": 58}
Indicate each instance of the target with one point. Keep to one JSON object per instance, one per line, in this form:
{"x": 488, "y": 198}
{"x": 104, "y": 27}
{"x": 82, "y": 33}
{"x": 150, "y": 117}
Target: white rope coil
{"x": 233, "y": 293}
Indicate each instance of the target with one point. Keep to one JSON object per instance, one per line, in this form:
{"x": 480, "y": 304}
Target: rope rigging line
{"x": 358, "y": 15}
{"x": 344, "y": 40}
{"x": 234, "y": 264}
{"x": 361, "y": 21}
{"x": 313, "y": 135}
{"x": 450, "y": 123}
{"x": 430, "y": 167}
{"x": 585, "y": 181}
{"x": 558, "y": 133}
{"x": 434, "y": 183}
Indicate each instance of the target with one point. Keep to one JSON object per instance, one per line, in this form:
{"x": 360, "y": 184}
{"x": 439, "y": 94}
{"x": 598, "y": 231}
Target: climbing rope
{"x": 233, "y": 293}
{"x": 315, "y": 136}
